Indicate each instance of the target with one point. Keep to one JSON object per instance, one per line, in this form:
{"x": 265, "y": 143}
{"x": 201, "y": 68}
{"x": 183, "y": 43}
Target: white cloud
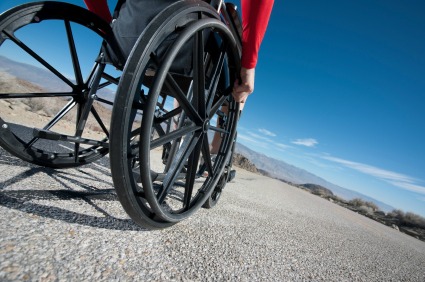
{"x": 323, "y": 165}
{"x": 410, "y": 187}
{"x": 371, "y": 170}
{"x": 262, "y": 141}
{"x": 253, "y": 141}
{"x": 308, "y": 142}
{"x": 255, "y": 135}
{"x": 282, "y": 146}
{"x": 394, "y": 178}
{"x": 266, "y": 132}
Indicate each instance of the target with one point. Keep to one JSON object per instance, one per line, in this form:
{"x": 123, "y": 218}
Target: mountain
{"x": 289, "y": 173}
{"x": 36, "y": 75}
{"x": 42, "y": 77}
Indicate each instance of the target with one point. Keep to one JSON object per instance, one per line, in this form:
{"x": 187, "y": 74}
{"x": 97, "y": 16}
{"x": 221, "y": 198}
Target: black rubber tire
{"x": 216, "y": 194}
{"x": 17, "y": 136}
{"x": 228, "y": 176}
{"x": 135, "y": 189}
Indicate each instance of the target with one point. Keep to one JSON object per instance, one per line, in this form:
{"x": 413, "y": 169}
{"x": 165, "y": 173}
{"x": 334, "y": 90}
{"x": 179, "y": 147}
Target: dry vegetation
{"x": 409, "y": 223}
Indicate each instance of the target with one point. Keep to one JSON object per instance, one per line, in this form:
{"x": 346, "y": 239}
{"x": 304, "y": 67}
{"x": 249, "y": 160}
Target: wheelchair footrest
{"x": 50, "y": 135}
{"x": 45, "y": 134}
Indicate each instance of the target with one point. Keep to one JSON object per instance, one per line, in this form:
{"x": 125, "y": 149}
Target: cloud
{"x": 255, "y": 135}
{"x": 394, "y": 178}
{"x": 410, "y": 187}
{"x": 253, "y": 141}
{"x": 262, "y": 141}
{"x": 371, "y": 170}
{"x": 266, "y": 132}
{"x": 308, "y": 142}
{"x": 282, "y": 146}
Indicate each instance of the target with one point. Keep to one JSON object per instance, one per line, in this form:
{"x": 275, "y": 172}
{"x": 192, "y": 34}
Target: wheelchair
{"x": 158, "y": 120}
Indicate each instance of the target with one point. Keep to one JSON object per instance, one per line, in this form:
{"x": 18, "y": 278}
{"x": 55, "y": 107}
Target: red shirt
{"x": 255, "y": 18}
{"x": 100, "y": 8}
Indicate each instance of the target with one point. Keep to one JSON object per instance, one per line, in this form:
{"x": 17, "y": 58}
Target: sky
{"x": 340, "y": 92}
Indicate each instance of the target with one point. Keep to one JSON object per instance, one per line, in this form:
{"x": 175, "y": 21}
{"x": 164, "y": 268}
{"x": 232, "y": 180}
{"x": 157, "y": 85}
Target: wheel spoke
{"x": 207, "y": 155}
{"x": 182, "y": 155}
{"x": 168, "y": 115}
{"x": 218, "y": 129}
{"x": 217, "y": 106}
{"x": 99, "y": 121}
{"x": 191, "y": 175}
{"x": 36, "y": 95}
{"x": 216, "y": 77}
{"x": 39, "y": 59}
{"x": 176, "y": 134}
{"x": 74, "y": 56}
{"x": 135, "y": 132}
{"x": 88, "y": 105}
{"x": 110, "y": 80}
{"x": 199, "y": 74}
{"x": 184, "y": 103}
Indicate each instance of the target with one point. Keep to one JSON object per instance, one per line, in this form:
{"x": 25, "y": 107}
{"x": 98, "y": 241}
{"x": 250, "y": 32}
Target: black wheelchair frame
{"x": 162, "y": 120}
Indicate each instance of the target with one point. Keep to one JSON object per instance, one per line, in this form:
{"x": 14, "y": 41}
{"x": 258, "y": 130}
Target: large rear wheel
{"x": 170, "y": 111}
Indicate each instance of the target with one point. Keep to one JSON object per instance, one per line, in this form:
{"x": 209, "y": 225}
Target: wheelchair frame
{"x": 140, "y": 124}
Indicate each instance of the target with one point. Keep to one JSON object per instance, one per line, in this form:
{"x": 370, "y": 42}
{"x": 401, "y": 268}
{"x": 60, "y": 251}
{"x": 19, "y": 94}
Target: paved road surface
{"x": 67, "y": 225}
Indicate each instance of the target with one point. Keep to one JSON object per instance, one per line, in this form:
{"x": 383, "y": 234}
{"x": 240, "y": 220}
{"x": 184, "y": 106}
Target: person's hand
{"x": 241, "y": 89}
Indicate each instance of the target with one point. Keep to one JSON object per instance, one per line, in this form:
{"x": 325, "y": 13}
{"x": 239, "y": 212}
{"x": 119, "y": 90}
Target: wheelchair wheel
{"x": 216, "y": 194}
{"x": 55, "y": 102}
{"x": 227, "y": 176}
{"x": 173, "y": 115}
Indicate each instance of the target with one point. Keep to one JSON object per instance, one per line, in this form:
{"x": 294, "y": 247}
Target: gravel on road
{"x": 68, "y": 225}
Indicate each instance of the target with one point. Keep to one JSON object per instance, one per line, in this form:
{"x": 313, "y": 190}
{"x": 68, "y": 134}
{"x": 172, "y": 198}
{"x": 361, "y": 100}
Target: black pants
{"x": 132, "y": 18}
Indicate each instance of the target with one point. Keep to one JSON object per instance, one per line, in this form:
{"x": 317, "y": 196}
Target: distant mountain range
{"x": 42, "y": 77}
{"x": 289, "y": 173}
{"x": 38, "y": 76}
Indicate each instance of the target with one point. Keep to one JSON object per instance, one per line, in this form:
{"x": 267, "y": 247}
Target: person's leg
{"x": 216, "y": 142}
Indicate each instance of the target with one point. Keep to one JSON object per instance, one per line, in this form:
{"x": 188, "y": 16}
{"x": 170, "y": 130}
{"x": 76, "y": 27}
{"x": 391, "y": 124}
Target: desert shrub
{"x": 408, "y": 219}
{"x": 415, "y": 220}
{"x": 338, "y": 199}
{"x": 357, "y": 202}
{"x": 372, "y": 205}
{"x": 32, "y": 106}
{"x": 396, "y": 214}
{"x": 366, "y": 209}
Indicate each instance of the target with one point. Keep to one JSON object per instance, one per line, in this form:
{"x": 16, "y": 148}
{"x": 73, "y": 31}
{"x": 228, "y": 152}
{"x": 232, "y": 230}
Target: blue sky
{"x": 340, "y": 92}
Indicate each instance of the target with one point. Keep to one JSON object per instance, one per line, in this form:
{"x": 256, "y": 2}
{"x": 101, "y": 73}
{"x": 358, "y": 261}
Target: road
{"x": 67, "y": 225}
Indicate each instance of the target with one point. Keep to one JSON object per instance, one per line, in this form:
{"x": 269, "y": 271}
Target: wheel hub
{"x": 206, "y": 126}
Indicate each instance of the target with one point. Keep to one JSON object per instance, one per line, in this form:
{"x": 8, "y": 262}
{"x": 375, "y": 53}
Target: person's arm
{"x": 255, "y": 18}
{"x": 100, "y": 8}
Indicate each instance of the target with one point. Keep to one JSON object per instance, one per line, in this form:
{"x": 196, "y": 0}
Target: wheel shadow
{"x": 22, "y": 200}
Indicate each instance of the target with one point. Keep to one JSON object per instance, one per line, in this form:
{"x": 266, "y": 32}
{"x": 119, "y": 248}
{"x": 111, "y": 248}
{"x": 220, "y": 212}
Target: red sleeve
{"x": 255, "y": 18}
{"x": 100, "y": 8}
